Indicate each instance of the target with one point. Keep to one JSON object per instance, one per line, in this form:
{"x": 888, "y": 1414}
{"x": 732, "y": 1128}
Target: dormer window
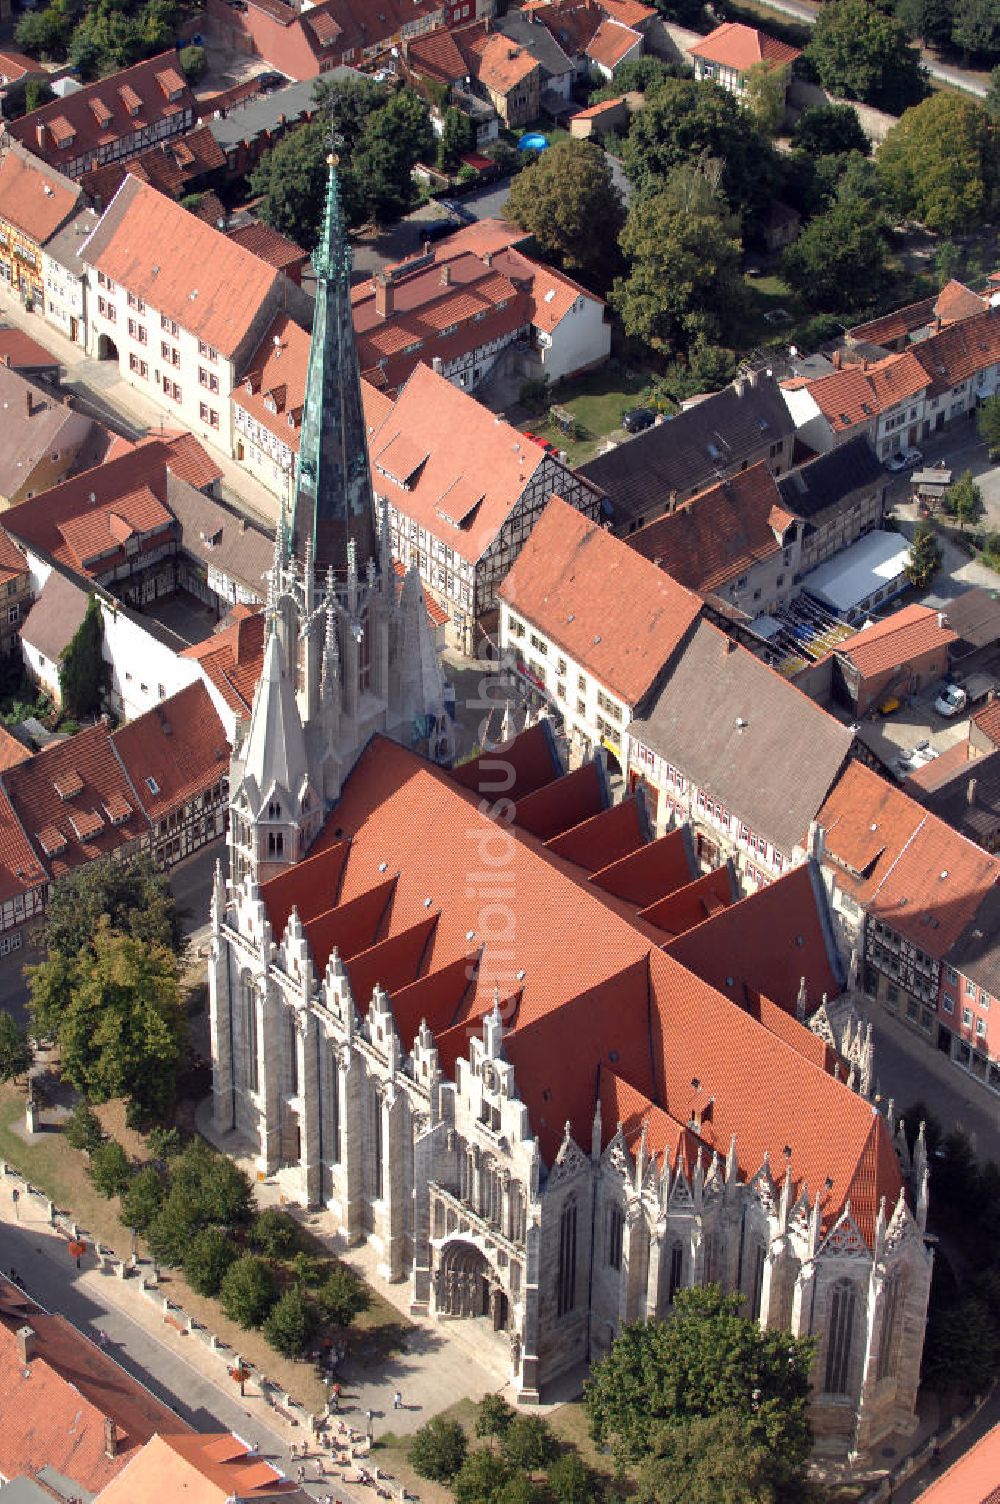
{"x": 274, "y": 810}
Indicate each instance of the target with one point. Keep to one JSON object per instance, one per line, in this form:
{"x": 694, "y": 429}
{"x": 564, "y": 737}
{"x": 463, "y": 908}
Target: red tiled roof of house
{"x": 272, "y": 389}
{"x": 14, "y": 66}
{"x": 271, "y": 246}
{"x": 959, "y": 351}
{"x": 604, "y": 838}
{"x": 718, "y": 534}
{"x": 129, "y": 499}
{"x": 13, "y": 564}
{"x": 955, "y": 302}
{"x": 180, "y": 266}
{"x": 55, "y": 1408}
{"x": 890, "y": 328}
{"x": 233, "y": 657}
{"x": 613, "y": 1001}
{"x": 694, "y": 903}
{"x": 931, "y": 775}
{"x": 897, "y": 640}
{"x": 988, "y": 720}
{"x": 437, "y": 54}
{"x": 203, "y": 1468}
{"x": 598, "y": 109}
{"x": 153, "y": 89}
{"x": 611, "y": 42}
{"x": 85, "y": 824}
{"x": 615, "y": 613}
{"x": 11, "y": 750}
{"x": 652, "y": 872}
{"x": 973, "y": 1479}
{"x": 907, "y": 867}
{"x": 169, "y": 166}
{"x": 189, "y": 460}
{"x": 33, "y": 198}
{"x": 22, "y": 353}
{"x": 628, "y": 12}
{"x": 502, "y": 65}
{"x": 21, "y": 869}
{"x": 175, "y": 751}
{"x": 733, "y": 45}
{"x": 857, "y": 394}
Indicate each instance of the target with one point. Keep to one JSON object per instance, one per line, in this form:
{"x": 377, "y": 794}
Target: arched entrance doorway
{"x": 106, "y": 348}
{"x": 467, "y": 1287}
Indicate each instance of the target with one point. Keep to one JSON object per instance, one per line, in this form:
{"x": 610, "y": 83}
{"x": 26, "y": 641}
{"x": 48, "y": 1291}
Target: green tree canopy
{"x": 684, "y": 282}
{"x": 860, "y": 52}
{"x": 438, "y": 1449}
{"x": 83, "y": 1128}
{"x": 133, "y": 895}
{"x": 838, "y": 262}
{"x": 705, "y": 1360}
{"x": 275, "y": 1233}
{"x": 827, "y": 130}
{"x": 482, "y": 1478}
{"x": 116, "y": 1012}
{"x": 16, "y": 1053}
{"x": 571, "y": 1481}
{"x": 988, "y": 424}
{"x": 109, "y": 1168}
{"x": 714, "y": 1459}
{"x": 939, "y": 164}
{"x": 528, "y": 1443}
{"x": 47, "y": 32}
{"x": 929, "y": 21}
{"x": 993, "y": 96}
{"x": 392, "y": 140}
{"x": 290, "y": 1324}
{"x": 194, "y": 63}
{"x": 83, "y": 673}
{"x": 976, "y": 27}
{"x": 142, "y": 1198}
{"x": 963, "y": 500}
{"x": 458, "y": 136}
{"x": 173, "y": 1227}
{"x": 562, "y": 199}
{"x": 248, "y": 1291}
{"x": 494, "y": 1416}
{"x": 291, "y": 180}
{"x": 925, "y": 556}
{"x": 764, "y": 95}
{"x": 207, "y": 1258}
{"x": 682, "y": 124}
{"x": 342, "y": 1296}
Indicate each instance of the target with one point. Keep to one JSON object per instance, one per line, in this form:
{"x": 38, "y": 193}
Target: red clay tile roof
{"x": 189, "y": 460}
{"x": 598, "y": 109}
{"x": 14, "y": 66}
{"x": 973, "y": 1478}
{"x": 169, "y": 166}
{"x": 233, "y": 657}
{"x": 437, "y": 54}
{"x": 13, "y": 564}
{"x": 72, "y": 120}
{"x": 21, "y": 869}
{"x": 740, "y": 47}
{"x": 22, "y": 353}
{"x": 720, "y": 533}
{"x": 857, "y": 395}
{"x": 890, "y": 644}
{"x": 269, "y": 245}
{"x": 598, "y": 840}
{"x": 33, "y": 198}
{"x": 955, "y": 302}
{"x": 615, "y": 613}
{"x": 611, "y": 1002}
{"x": 988, "y": 721}
{"x": 959, "y": 351}
{"x": 907, "y": 867}
{"x": 198, "y": 1467}
{"x": 175, "y": 751}
{"x": 502, "y": 65}
{"x": 681, "y": 910}
{"x": 54, "y": 1410}
{"x": 85, "y": 824}
{"x": 628, "y": 12}
{"x": 180, "y": 266}
{"x": 652, "y": 872}
{"x": 892, "y": 328}
{"x": 611, "y": 42}
{"x": 272, "y": 389}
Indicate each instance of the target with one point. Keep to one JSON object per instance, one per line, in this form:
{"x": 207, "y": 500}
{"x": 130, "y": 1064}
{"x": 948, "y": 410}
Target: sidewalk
{"x": 103, "y": 383}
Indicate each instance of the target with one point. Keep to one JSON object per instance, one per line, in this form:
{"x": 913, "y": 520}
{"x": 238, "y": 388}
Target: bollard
{"x": 121, "y": 1270}
{"x": 52, "y": 1214}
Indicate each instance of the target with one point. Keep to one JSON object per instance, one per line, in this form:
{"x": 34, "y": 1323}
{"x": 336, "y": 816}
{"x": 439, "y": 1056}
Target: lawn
{"x": 596, "y": 402}
{"x": 770, "y": 295}
{"x": 61, "y": 1173}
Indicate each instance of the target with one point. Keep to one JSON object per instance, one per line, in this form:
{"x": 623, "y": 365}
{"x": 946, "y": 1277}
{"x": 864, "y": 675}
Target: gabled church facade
{"x": 444, "y": 1007}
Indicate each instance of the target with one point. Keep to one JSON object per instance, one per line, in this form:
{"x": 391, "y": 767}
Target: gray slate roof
{"x": 639, "y": 476}
{"x": 975, "y": 616}
{"x": 538, "y": 41}
{"x": 775, "y": 770}
{"x": 214, "y": 534}
{"x": 56, "y": 615}
{"x": 831, "y": 477}
{"x": 264, "y": 111}
{"x": 64, "y": 247}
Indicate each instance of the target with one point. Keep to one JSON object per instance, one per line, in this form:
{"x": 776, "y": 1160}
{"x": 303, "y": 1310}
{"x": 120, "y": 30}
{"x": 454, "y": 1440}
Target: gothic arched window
{"x": 840, "y": 1337}
{"x": 711, "y": 1264}
{"x": 757, "y": 1258}
{"x": 892, "y": 1302}
{"x": 616, "y": 1236}
{"x": 376, "y": 1145}
{"x": 566, "y": 1288}
{"x": 676, "y": 1271}
{"x": 249, "y": 1033}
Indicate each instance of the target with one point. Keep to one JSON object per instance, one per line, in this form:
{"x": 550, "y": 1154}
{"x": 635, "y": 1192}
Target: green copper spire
{"x": 333, "y": 495}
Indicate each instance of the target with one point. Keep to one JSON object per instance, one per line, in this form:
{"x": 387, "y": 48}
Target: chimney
{"x": 730, "y": 645}
{"x": 27, "y": 402}
{"x": 740, "y": 385}
{"x": 672, "y": 502}
{"x": 42, "y": 135}
{"x": 970, "y": 791}
{"x": 446, "y": 275}
{"x": 817, "y": 841}
{"x": 27, "y": 1344}
{"x": 437, "y": 365}
{"x": 6, "y": 361}
{"x": 942, "y": 621}
{"x": 487, "y": 258}
{"x": 110, "y": 1437}
{"x": 383, "y": 295}
{"x": 837, "y": 359}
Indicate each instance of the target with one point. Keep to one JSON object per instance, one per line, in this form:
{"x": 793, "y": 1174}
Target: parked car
{"x": 951, "y": 701}
{"x": 637, "y": 419}
{"x": 914, "y": 758}
{"x": 903, "y": 459}
{"x": 458, "y": 210}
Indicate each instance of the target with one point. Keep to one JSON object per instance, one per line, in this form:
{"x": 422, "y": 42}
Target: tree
{"x": 563, "y": 199}
{"x": 988, "y": 424}
{"x": 457, "y": 137}
{"x": 571, "y": 1481}
{"x": 16, "y": 1053}
{"x": 684, "y": 281}
{"x": 962, "y": 1348}
{"x": 342, "y": 1296}
{"x": 116, "y": 1012}
{"x": 275, "y": 1233}
{"x": 827, "y": 130}
{"x": 683, "y": 124}
{"x": 714, "y": 1459}
{"x": 963, "y": 500}
{"x": 938, "y": 164}
{"x": 346, "y": 104}
{"x": 170, "y": 1232}
{"x": 226, "y": 1193}
{"x": 46, "y": 32}
{"x": 393, "y": 139}
{"x": 36, "y": 93}
{"x": 109, "y": 1168}
{"x": 83, "y": 673}
{"x": 134, "y": 896}
{"x": 291, "y": 182}
{"x": 925, "y": 556}
{"x": 194, "y": 63}
{"x": 764, "y": 94}
{"x": 438, "y": 1449}
{"x": 248, "y": 1291}
{"x": 207, "y": 1259}
{"x": 83, "y": 1129}
{"x": 706, "y": 1359}
{"x": 993, "y": 96}
{"x": 928, "y": 21}
{"x": 481, "y": 1478}
{"x": 494, "y": 1416}
{"x": 142, "y": 1198}
{"x": 839, "y": 260}
{"x": 528, "y": 1443}
{"x": 976, "y": 27}
{"x": 861, "y": 53}
{"x": 290, "y": 1324}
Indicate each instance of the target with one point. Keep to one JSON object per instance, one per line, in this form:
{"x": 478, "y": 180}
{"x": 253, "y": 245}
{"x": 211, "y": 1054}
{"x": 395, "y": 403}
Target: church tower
{"x": 348, "y": 649}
